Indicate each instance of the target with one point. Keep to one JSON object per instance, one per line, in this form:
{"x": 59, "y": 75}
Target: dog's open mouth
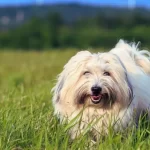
{"x": 96, "y": 98}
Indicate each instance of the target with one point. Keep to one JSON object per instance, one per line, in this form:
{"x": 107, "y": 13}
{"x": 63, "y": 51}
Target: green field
{"x": 26, "y": 112}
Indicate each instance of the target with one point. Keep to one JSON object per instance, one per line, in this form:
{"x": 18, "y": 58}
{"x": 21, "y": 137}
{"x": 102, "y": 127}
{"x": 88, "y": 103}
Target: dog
{"x": 96, "y": 91}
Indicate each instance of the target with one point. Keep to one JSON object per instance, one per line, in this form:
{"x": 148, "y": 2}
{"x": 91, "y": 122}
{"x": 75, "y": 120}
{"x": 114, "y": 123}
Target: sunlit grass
{"x": 26, "y": 112}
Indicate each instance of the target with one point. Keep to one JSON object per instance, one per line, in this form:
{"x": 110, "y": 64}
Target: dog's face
{"x": 93, "y": 80}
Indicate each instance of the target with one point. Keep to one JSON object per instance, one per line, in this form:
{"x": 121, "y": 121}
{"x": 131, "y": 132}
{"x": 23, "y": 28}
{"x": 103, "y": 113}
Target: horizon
{"x": 110, "y": 3}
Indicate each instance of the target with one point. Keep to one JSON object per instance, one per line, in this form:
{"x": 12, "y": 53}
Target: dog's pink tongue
{"x": 96, "y": 97}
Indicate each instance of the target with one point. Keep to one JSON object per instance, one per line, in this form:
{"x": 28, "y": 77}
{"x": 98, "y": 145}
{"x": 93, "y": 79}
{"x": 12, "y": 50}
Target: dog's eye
{"x": 86, "y": 73}
{"x": 106, "y": 74}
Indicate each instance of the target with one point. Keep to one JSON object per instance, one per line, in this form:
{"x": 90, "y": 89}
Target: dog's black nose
{"x": 96, "y": 89}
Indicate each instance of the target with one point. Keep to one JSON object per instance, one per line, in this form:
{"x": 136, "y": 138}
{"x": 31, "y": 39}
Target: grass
{"x": 26, "y": 113}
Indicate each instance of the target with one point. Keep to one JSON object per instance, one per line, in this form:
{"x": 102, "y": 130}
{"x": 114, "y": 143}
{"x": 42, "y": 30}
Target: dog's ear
{"x": 69, "y": 67}
{"x": 57, "y": 88}
{"x": 131, "y": 96}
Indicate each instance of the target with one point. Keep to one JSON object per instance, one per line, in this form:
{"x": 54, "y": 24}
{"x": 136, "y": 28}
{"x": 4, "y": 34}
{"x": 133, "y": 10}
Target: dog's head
{"x": 92, "y": 80}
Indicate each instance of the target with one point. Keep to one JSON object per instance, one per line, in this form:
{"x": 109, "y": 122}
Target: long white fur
{"x": 130, "y": 81}
{"x": 130, "y": 53}
{"x": 137, "y": 63}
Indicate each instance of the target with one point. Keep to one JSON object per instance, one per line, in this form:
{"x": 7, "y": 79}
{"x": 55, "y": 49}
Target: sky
{"x": 124, "y": 3}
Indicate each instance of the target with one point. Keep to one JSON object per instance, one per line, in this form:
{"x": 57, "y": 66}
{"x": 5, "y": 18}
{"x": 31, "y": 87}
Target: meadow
{"x": 26, "y": 113}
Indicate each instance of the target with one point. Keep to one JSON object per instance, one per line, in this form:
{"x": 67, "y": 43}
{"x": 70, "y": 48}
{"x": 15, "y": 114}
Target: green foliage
{"x": 64, "y": 27}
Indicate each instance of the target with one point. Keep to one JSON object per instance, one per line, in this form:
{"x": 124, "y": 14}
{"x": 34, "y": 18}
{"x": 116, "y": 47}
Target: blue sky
{"x": 127, "y": 3}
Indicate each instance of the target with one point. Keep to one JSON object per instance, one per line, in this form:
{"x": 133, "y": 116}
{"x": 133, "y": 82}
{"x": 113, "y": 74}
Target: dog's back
{"x": 140, "y": 57}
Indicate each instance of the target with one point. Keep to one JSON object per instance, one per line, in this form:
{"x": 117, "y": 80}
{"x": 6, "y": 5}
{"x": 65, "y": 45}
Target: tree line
{"x": 98, "y": 31}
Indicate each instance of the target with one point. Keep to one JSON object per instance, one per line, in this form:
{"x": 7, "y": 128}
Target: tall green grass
{"x": 26, "y": 112}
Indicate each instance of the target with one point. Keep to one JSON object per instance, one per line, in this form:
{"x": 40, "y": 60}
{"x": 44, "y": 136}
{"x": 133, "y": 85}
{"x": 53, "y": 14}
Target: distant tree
{"x": 54, "y": 22}
{"x": 29, "y": 36}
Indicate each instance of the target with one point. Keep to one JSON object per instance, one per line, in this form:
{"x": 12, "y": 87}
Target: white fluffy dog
{"x": 104, "y": 89}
